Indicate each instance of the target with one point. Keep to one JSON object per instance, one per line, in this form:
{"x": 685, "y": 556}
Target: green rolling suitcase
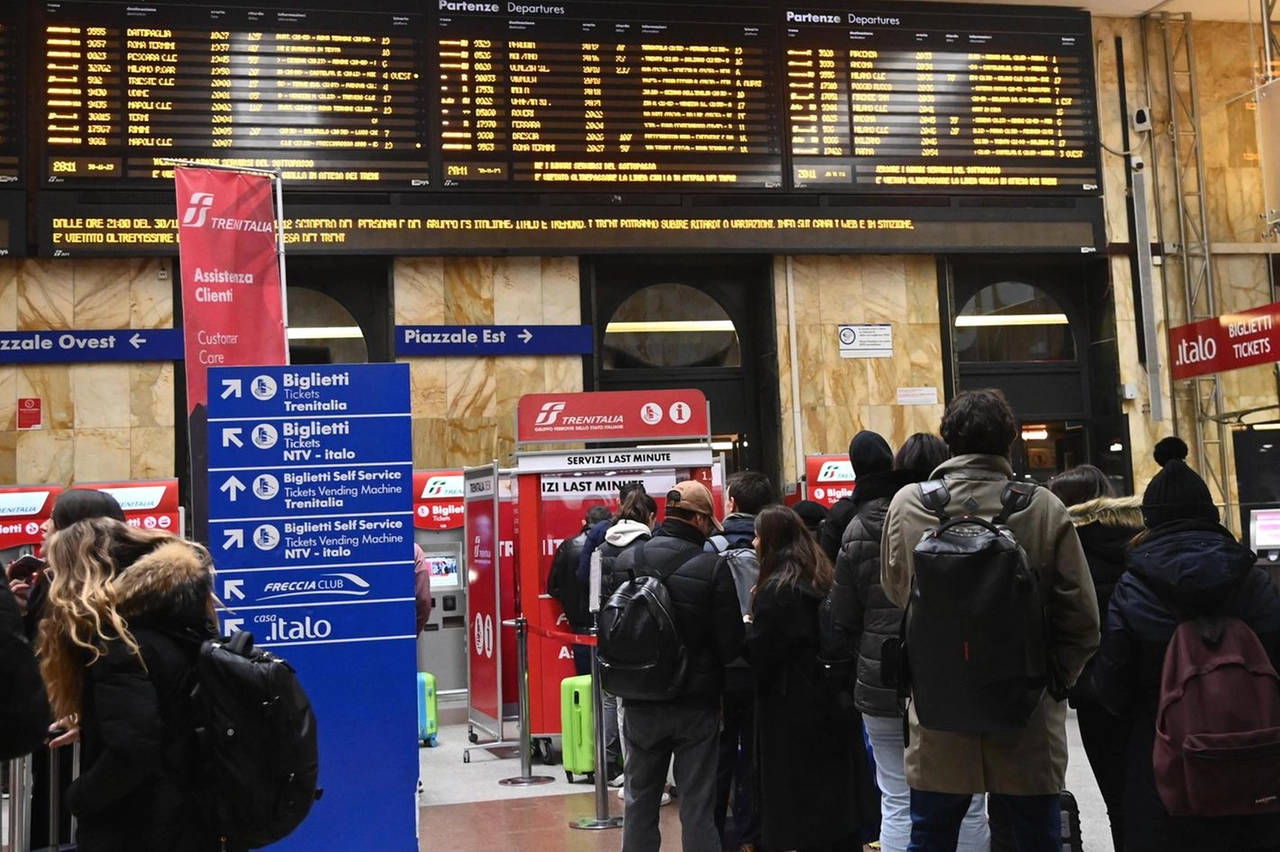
{"x": 577, "y": 727}
{"x": 428, "y": 714}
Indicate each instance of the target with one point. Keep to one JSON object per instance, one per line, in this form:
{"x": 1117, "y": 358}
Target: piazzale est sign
{"x": 1228, "y": 342}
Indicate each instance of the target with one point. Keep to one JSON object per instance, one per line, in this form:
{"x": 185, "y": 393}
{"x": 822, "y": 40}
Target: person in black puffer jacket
{"x": 1106, "y": 525}
{"x": 709, "y": 621}
{"x": 1185, "y": 563}
{"x": 866, "y": 616}
{"x": 868, "y": 454}
{"x": 127, "y": 611}
{"x": 24, "y": 709}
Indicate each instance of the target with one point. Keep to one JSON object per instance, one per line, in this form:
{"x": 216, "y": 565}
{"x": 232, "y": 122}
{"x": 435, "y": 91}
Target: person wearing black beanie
{"x": 869, "y": 453}
{"x": 1185, "y": 565}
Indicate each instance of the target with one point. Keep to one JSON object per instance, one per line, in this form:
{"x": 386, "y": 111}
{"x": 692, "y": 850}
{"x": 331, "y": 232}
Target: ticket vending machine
{"x": 438, "y": 530}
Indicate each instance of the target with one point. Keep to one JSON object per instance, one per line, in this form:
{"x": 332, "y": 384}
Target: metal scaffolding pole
{"x": 1193, "y": 250}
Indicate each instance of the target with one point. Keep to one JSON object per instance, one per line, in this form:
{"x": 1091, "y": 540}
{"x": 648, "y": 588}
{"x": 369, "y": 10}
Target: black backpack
{"x": 640, "y": 651}
{"x": 257, "y": 737}
{"x": 974, "y": 628}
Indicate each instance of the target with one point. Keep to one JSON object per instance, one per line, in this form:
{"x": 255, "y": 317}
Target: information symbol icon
{"x": 680, "y": 412}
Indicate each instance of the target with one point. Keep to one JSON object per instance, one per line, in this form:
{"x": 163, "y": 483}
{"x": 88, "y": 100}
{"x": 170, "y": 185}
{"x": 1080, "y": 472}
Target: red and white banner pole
{"x": 231, "y": 253}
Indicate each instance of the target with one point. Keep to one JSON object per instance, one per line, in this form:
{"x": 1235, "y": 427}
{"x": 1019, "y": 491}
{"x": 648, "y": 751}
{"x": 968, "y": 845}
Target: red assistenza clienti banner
{"x": 1228, "y": 342}
{"x": 23, "y": 508}
{"x": 152, "y": 505}
{"x": 231, "y": 301}
{"x": 612, "y": 416}
{"x": 828, "y": 478}
{"x": 437, "y": 501}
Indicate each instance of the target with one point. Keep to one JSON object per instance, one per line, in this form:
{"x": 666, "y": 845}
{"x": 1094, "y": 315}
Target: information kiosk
{"x": 632, "y": 437}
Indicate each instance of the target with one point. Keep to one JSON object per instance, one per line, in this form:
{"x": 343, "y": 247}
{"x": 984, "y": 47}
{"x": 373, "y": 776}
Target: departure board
{"x": 327, "y": 96}
{"x": 913, "y": 96}
{"x": 11, "y": 138}
{"x": 609, "y": 95}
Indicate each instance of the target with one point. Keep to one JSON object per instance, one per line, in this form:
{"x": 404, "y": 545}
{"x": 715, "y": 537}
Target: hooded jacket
{"x": 1191, "y": 568}
{"x": 139, "y": 758}
{"x": 1106, "y": 526}
{"x": 1032, "y": 760}
{"x": 862, "y": 612}
{"x": 869, "y": 453}
{"x": 702, "y": 593}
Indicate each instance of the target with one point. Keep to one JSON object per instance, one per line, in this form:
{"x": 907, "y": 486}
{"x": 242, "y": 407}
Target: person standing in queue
{"x": 808, "y": 754}
{"x": 1186, "y": 565}
{"x": 563, "y": 585}
{"x": 1023, "y": 769}
{"x": 709, "y": 624}
{"x": 1106, "y": 525}
{"x": 127, "y": 611}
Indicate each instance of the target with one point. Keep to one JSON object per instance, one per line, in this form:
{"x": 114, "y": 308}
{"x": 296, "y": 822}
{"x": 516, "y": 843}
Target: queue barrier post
{"x": 526, "y": 777}
{"x": 19, "y": 815}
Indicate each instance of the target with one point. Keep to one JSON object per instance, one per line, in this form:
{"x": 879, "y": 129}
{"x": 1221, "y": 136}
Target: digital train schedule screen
{"x": 328, "y": 96}
{"x": 676, "y": 96}
{"x": 927, "y": 97}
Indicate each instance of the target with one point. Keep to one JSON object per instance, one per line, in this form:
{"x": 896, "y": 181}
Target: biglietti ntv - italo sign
{"x": 1228, "y": 342}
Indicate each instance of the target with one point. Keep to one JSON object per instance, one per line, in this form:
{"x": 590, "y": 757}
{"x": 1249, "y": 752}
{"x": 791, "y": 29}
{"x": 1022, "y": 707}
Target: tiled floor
{"x": 464, "y": 809}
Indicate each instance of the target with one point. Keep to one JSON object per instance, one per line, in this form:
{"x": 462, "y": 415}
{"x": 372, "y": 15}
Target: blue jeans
{"x": 885, "y": 734}
{"x": 1036, "y": 821}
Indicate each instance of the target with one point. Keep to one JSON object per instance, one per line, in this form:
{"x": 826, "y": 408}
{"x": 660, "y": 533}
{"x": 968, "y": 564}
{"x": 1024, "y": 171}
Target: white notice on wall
{"x": 868, "y": 340}
{"x": 917, "y": 396}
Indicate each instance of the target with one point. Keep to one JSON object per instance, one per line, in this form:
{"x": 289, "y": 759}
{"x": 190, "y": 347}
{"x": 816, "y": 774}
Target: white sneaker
{"x": 621, "y": 794}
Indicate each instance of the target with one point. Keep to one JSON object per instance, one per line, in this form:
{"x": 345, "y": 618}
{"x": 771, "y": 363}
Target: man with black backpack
{"x": 1001, "y": 619}
{"x": 747, "y": 491}
{"x": 666, "y": 634}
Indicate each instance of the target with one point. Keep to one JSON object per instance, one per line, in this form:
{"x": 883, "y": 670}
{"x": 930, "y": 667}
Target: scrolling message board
{"x": 608, "y": 95}
{"x": 328, "y": 96}
{"x": 928, "y": 97}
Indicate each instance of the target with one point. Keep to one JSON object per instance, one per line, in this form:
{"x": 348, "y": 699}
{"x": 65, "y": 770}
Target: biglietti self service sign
{"x": 612, "y": 416}
{"x": 1228, "y": 342}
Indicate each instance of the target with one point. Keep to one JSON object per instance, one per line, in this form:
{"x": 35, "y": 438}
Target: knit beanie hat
{"x": 869, "y": 453}
{"x": 1176, "y": 493}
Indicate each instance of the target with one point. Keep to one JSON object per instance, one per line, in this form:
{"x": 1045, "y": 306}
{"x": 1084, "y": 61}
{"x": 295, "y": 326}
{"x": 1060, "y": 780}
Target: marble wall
{"x": 101, "y": 421}
{"x": 464, "y": 409}
{"x": 838, "y": 397}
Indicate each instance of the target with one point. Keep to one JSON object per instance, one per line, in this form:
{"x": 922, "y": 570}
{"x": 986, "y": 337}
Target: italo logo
{"x": 197, "y": 210}
{"x": 1196, "y": 351}
{"x": 549, "y": 413}
{"x": 835, "y": 471}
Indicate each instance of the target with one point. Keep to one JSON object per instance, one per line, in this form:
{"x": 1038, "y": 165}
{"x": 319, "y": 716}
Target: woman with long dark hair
{"x": 808, "y": 756}
{"x": 127, "y": 611}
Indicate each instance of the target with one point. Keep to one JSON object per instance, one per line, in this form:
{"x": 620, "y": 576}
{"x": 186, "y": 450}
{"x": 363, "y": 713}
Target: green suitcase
{"x": 428, "y": 714}
{"x": 577, "y": 727}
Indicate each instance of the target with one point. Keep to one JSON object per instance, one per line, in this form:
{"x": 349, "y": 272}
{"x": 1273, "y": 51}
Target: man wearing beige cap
{"x": 709, "y": 622}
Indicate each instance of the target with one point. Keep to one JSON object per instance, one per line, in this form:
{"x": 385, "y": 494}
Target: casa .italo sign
{"x": 1228, "y": 342}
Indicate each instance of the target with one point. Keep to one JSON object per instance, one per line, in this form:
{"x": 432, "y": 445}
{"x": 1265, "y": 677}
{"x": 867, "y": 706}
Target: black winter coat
{"x": 861, "y": 611}
{"x": 807, "y": 756}
{"x": 1198, "y": 568}
{"x": 562, "y": 582}
{"x": 24, "y": 707}
{"x": 139, "y": 765}
{"x": 706, "y": 605}
{"x": 831, "y": 532}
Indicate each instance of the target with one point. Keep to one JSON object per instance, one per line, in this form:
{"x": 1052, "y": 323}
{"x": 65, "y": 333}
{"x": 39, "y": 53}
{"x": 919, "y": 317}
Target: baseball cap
{"x": 692, "y": 496}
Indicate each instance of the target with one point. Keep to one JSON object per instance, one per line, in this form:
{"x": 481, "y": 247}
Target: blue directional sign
{"x": 120, "y": 344}
{"x": 425, "y": 341}
{"x": 311, "y": 529}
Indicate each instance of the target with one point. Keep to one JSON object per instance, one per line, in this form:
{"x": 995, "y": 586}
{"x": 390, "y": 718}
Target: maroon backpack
{"x": 1217, "y": 745}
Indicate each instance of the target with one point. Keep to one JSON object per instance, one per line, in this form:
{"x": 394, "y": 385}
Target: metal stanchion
{"x": 20, "y": 804}
{"x": 55, "y": 808}
{"x": 601, "y": 820}
{"x": 526, "y": 778}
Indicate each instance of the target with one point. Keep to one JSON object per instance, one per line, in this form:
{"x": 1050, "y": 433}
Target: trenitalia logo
{"x": 835, "y": 471}
{"x": 139, "y": 498}
{"x": 197, "y": 210}
{"x": 548, "y": 414}
{"x": 23, "y": 503}
{"x": 442, "y": 486}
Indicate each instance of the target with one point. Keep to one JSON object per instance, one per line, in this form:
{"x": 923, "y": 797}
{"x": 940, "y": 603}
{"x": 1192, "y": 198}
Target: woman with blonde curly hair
{"x": 127, "y": 611}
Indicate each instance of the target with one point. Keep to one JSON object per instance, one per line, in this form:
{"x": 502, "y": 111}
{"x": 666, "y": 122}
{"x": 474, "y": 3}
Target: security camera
{"x": 1142, "y": 119}
{"x": 1137, "y": 163}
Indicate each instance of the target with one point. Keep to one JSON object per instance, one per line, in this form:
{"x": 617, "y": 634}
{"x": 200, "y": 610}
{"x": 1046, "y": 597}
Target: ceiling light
{"x": 668, "y": 326}
{"x": 1034, "y": 433}
{"x": 1265, "y": 427}
{"x": 987, "y": 320}
{"x": 1116, "y": 448}
{"x": 327, "y": 332}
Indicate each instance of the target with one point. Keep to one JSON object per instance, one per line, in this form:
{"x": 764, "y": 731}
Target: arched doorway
{"x": 1044, "y": 334}
{"x": 667, "y": 322}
